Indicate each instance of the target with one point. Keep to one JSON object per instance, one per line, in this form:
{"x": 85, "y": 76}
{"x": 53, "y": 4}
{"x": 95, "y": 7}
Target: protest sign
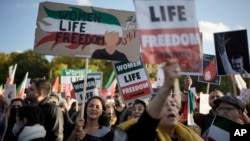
{"x": 204, "y": 104}
{"x": 10, "y": 92}
{"x": 169, "y": 29}
{"x": 90, "y": 89}
{"x": 232, "y": 54}
{"x": 133, "y": 80}
{"x": 209, "y": 74}
{"x": 68, "y": 76}
{"x": 72, "y": 30}
{"x": 72, "y": 75}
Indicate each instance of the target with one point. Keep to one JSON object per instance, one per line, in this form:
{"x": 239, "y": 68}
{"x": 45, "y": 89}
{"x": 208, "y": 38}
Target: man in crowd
{"x": 119, "y": 107}
{"x": 228, "y": 107}
{"x": 204, "y": 120}
{"x": 37, "y": 94}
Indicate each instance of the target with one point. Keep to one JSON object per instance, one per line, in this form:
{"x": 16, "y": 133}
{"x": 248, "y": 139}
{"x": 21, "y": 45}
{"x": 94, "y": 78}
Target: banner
{"x": 169, "y": 29}
{"x": 71, "y": 30}
{"x": 133, "y": 80}
{"x": 209, "y": 74}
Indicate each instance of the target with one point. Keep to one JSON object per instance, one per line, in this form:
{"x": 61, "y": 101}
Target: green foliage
{"x": 37, "y": 65}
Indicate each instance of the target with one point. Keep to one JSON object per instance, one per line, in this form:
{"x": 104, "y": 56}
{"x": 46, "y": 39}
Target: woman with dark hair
{"x": 160, "y": 120}
{"x": 15, "y": 104}
{"x": 138, "y": 108}
{"x": 29, "y": 124}
{"x": 94, "y": 126}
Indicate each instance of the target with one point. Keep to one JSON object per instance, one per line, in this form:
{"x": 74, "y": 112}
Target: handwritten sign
{"x": 71, "y": 30}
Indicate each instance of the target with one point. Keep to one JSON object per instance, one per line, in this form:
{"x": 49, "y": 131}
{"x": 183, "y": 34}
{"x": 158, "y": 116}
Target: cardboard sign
{"x": 71, "y": 30}
{"x": 133, "y": 80}
{"x": 209, "y": 74}
{"x": 169, "y": 29}
{"x": 10, "y": 92}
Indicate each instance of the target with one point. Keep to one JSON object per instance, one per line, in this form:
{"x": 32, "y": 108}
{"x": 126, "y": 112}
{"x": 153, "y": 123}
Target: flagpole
{"x": 208, "y": 87}
{"x": 50, "y": 80}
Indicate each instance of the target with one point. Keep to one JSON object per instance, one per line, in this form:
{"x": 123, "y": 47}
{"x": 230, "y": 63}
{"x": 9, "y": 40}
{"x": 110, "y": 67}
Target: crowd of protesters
{"x": 42, "y": 116}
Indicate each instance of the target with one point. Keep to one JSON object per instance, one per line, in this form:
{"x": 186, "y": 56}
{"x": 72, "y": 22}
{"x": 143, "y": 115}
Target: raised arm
{"x": 172, "y": 72}
{"x": 221, "y": 41}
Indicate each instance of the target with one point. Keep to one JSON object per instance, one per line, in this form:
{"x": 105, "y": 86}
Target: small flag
{"x": 110, "y": 90}
{"x": 239, "y": 81}
{"x": 220, "y": 129}
{"x": 21, "y": 88}
{"x": 55, "y": 87}
{"x": 12, "y": 72}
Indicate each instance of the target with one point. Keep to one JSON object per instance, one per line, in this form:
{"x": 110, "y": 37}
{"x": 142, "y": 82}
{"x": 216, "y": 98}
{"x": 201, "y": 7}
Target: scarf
{"x": 183, "y": 132}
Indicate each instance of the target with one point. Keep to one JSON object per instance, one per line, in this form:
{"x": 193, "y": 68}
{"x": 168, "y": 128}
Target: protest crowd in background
{"x": 131, "y": 107}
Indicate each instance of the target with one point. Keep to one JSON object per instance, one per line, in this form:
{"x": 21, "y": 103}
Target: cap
{"x": 231, "y": 100}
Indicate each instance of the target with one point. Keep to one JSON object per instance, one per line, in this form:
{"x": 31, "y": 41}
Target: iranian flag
{"x": 22, "y": 86}
{"x": 12, "y": 72}
{"x": 220, "y": 129}
{"x": 109, "y": 88}
{"x": 77, "y": 26}
{"x": 240, "y": 82}
{"x": 55, "y": 87}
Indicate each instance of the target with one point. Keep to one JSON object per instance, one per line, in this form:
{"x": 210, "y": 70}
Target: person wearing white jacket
{"x": 28, "y": 126}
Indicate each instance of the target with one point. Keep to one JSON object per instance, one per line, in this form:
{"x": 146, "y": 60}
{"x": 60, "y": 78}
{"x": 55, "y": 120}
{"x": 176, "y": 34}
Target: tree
{"x": 36, "y": 64}
{"x": 4, "y": 65}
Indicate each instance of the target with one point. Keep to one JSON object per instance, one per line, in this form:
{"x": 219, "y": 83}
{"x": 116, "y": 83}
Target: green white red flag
{"x": 12, "y": 72}
{"x": 55, "y": 87}
{"x": 220, "y": 129}
{"x": 110, "y": 91}
{"x": 22, "y": 86}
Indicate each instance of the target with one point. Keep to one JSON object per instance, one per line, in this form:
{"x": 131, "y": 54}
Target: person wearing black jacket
{"x": 37, "y": 94}
{"x": 204, "y": 121}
